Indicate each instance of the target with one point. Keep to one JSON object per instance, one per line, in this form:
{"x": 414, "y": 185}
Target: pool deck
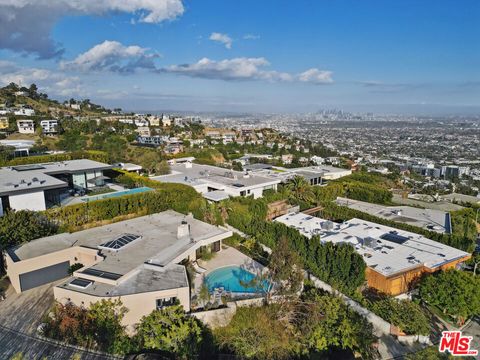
{"x": 228, "y": 256}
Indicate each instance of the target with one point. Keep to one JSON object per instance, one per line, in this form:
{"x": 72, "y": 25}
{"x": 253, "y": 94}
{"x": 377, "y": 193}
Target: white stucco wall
{"x": 30, "y": 201}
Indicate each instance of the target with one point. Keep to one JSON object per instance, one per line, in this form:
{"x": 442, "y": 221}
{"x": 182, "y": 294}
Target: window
{"x": 81, "y": 283}
{"x": 119, "y": 242}
{"x": 169, "y": 301}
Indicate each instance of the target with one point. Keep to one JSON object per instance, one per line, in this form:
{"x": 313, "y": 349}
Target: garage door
{"x": 44, "y": 276}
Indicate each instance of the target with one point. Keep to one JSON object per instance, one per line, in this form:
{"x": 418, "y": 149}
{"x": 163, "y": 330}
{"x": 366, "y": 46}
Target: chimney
{"x": 183, "y": 230}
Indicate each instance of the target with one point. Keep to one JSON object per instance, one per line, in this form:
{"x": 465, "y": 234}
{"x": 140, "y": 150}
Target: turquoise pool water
{"x": 229, "y": 278}
{"x": 118, "y": 193}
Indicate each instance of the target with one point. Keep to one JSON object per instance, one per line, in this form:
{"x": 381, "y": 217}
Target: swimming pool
{"x": 118, "y": 193}
{"x": 229, "y": 278}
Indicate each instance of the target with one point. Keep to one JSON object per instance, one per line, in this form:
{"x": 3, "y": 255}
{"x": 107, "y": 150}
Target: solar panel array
{"x": 120, "y": 242}
{"x": 102, "y": 274}
{"x": 393, "y": 237}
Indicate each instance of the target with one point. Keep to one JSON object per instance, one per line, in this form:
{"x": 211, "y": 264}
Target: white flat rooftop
{"x": 18, "y": 144}
{"x": 217, "y": 195}
{"x": 429, "y": 219}
{"x": 385, "y": 249}
{"x": 308, "y": 172}
{"x": 196, "y": 174}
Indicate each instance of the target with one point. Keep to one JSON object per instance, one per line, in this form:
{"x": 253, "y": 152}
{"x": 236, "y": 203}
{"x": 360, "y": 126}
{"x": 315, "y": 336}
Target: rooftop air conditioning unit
{"x": 327, "y": 225}
{"x": 370, "y": 242}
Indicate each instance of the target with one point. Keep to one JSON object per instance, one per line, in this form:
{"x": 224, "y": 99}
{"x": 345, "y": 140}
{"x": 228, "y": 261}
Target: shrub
{"x": 405, "y": 314}
{"x": 454, "y": 293}
{"x": 87, "y": 154}
{"x": 74, "y": 267}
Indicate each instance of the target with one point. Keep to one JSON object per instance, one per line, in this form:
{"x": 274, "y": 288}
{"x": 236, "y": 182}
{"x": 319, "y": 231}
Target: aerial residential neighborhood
{"x": 154, "y": 220}
{"x": 250, "y": 180}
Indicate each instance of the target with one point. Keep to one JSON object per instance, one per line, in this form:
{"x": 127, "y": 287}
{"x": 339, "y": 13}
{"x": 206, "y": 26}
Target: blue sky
{"x": 249, "y": 55}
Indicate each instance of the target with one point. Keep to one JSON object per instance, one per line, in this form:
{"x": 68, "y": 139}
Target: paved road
{"x": 473, "y": 329}
{"x": 32, "y": 347}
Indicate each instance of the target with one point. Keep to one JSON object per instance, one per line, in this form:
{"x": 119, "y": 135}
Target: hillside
{"x": 44, "y": 106}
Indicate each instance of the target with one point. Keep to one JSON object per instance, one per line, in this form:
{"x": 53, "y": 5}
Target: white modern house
{"x": 24, "y": 112}
{"x": 315, "y": 175}
{"x": 22, "y": 147}
{"x": 26, "y": 126}
{"x": 130, "y": 167}
{"x": 49, "y": 127}
{"x": 217, "y": 183}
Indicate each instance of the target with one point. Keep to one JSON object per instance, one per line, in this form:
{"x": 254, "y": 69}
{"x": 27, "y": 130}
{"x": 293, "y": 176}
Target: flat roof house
{"x": 315, "y": 175}
{"x": 22, "y": 147}
{"x": 26, "y": 126}
{"x": 49, "y": 127}
{"x": 37, "y": 186}
{"x": 218, "y": 183}
{"x": 428, "y": 219}
{"x": 395, "y": 258}
{"x": 135, "y": 260}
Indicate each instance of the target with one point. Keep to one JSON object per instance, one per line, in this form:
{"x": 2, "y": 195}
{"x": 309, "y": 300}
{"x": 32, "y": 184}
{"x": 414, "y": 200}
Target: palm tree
{"x": 301, "y": 189}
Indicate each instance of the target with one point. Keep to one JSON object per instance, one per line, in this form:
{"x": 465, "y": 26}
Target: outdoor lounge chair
{"x": 198, "y": 269}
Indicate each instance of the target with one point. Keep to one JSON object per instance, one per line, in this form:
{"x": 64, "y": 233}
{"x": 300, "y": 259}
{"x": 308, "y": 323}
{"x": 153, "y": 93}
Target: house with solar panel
{"x": 137, "y": 260}
{"x": 39, "y": 186}
{"x": 395, "y": 258}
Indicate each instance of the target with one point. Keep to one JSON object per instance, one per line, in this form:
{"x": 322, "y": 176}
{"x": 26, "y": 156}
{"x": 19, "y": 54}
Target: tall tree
{"x": 106, "y": 322}
{"x": 32, "y": 91}
{"x": 328, "y": 323}
{"x": 284, "y": 274}
{"x": 455, "y": 293}
{"x": 172, "y": 330}
{"x": 72, "y": 140}
{"x": 256, "y": 333}
{"x": 301, "y": 189}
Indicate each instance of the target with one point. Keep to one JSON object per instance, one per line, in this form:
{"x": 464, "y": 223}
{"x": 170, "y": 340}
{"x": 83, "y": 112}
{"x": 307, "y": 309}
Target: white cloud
{"x": 316, "y": 76}
{"x": 25, "y": 25}
{"x": 112, "y": 56}
{"x": 222, "y": 38}
{"x": 54, "y": 83}
{"x": 251, "y": 37}
{"x": 245, "y": 69}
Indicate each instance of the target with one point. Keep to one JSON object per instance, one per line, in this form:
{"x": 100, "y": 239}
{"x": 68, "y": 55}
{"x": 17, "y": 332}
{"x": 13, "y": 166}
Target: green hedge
{"x": 338, "y": 265}
{"x": 134, "y": 180}
{"x": 88, "y": 154}
{"x": 178, "y": 197}
{"x": 405, "y": 314}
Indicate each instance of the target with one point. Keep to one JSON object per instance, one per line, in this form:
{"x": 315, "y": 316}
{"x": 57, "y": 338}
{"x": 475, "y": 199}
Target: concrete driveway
{"x": 20, "y": 315}
{"x": 23, "y": 312}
